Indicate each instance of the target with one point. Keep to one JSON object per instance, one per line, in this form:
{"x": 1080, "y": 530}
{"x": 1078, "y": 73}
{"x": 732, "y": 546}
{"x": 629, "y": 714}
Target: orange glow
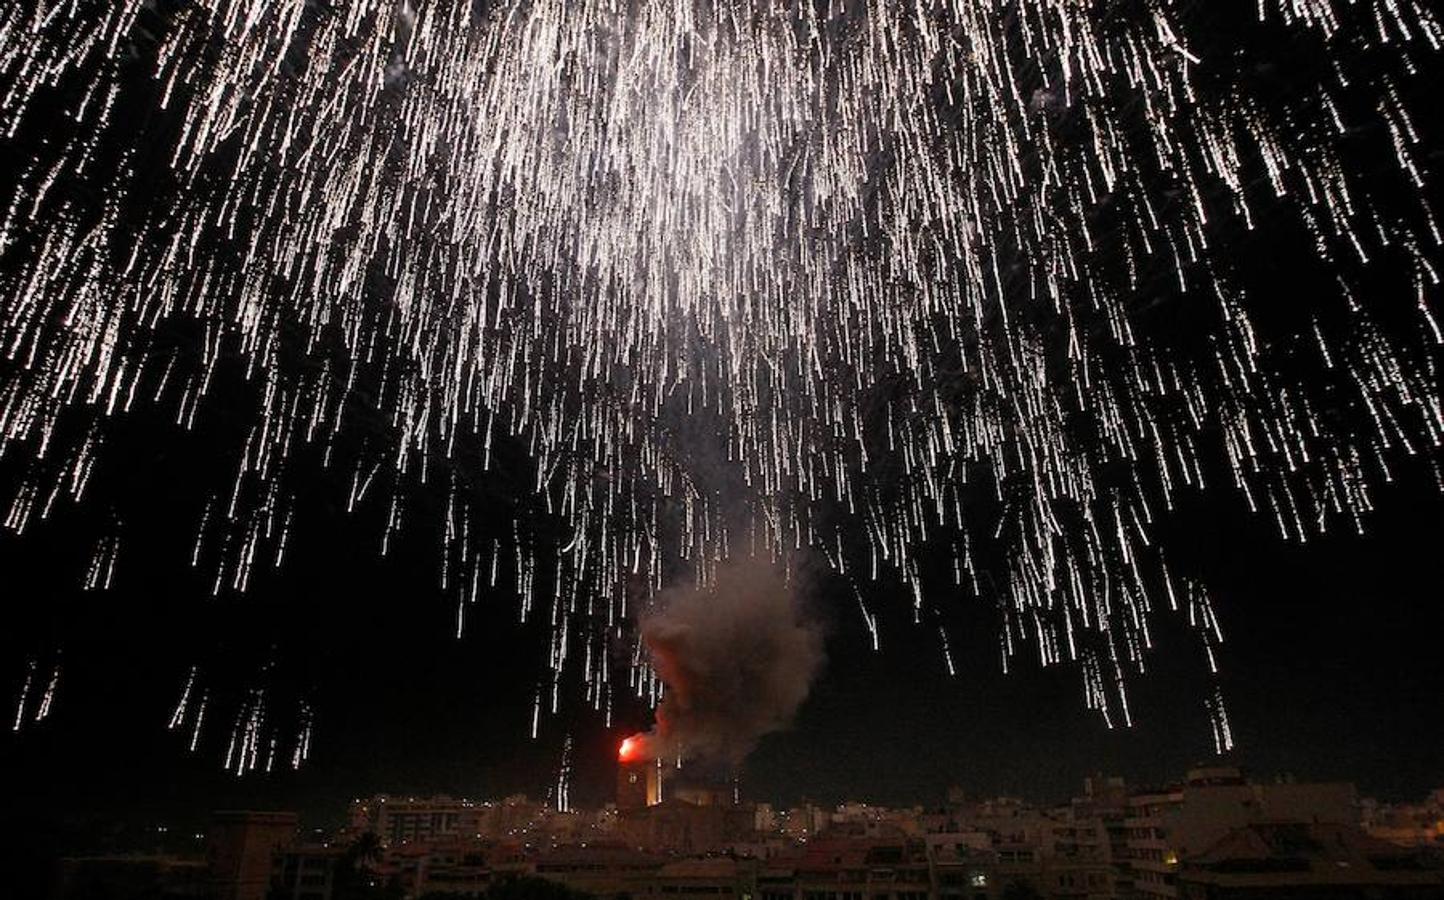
{"x": 630, "y": 750}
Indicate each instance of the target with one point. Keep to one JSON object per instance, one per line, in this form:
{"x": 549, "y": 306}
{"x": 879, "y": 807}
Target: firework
{"x": 866, "y": 281}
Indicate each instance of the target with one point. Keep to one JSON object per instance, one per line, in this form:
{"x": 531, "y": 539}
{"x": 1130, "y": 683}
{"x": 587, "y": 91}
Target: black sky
{"x": 1331, "y": 666}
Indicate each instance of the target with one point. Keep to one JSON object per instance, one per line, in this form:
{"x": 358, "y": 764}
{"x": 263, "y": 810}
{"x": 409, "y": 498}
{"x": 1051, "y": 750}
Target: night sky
{"x": 1333, "y": 661}
{"x": 1331, "y": 669}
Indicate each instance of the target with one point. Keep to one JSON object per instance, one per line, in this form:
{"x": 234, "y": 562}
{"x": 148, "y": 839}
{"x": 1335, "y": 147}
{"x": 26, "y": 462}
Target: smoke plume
{"x": 737, "y": 659}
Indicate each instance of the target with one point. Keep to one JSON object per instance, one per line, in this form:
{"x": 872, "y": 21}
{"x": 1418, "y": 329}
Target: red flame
{"x": 631, "y": 749}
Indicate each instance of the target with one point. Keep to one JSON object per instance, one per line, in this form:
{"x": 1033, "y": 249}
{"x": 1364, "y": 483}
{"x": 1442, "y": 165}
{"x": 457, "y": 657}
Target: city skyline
{"x": 1209, "y": 831}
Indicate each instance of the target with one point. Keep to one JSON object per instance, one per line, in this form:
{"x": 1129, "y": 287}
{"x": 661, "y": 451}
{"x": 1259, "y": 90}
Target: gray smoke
{"x": 737, "y": 660}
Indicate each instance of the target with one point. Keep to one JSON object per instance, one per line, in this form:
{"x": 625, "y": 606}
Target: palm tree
{"x": 365, "y": 851}
{"x": 360, "y": 856}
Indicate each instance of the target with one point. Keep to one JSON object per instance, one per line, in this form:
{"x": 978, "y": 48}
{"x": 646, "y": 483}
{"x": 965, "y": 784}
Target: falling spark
{"x": 24, "y": 696}
{"x": 47, "y": 698}
{"x": 795, "y": 278}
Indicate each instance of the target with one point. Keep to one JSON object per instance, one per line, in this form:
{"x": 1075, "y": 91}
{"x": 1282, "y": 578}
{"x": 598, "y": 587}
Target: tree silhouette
{"x": 1021, "y": 890}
